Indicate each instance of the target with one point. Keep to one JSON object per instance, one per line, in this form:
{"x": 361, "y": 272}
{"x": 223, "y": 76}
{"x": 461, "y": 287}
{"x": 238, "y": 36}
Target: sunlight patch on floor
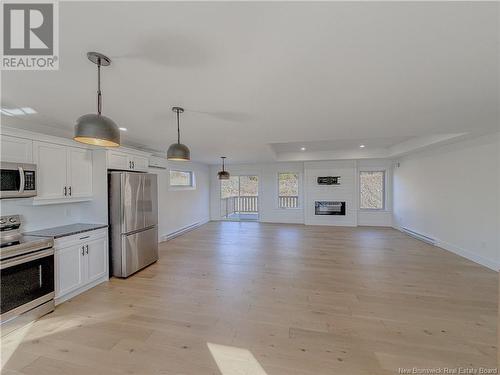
{"x": 11, "y": 341}
{"x": 34, "y": 330}
{"x": 235, "y": 361}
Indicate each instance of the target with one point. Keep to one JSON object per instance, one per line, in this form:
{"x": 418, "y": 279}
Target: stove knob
{"x": 2, "y": 221}
{"x": 12, "y": 220}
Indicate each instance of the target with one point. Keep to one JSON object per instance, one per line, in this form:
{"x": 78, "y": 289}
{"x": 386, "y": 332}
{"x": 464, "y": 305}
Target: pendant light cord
{"x": 99, "y": 96}
{"x": 178, "y": 129}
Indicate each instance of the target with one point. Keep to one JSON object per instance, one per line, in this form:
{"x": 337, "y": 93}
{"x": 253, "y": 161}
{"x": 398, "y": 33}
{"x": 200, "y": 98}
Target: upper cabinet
{"x": 64, "y": 173}
{"x": 140, "y": 163}
{"x": 16, "y": 150}
{"x": 127, "y": 161}
{"x": 79, "y": 173}
{"x": 118, "y": 160}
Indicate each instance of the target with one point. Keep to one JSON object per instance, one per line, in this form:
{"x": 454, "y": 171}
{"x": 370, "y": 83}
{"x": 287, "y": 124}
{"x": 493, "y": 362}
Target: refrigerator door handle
{"x": 139, "y": 230}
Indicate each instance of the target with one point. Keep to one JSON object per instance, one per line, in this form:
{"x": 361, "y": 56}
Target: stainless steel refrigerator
{"x": 133, "y": 221}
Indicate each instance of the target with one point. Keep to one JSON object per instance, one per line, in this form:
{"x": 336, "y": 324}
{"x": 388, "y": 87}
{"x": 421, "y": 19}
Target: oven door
{"x": 27, "y": 281}
{"x": 18, "y": 180}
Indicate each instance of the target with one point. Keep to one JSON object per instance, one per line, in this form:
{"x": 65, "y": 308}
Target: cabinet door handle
{"x": 129, "y": 164}
{"x": 87, "y": 247}
{"x": 70, "y": 190}
{"x": 83, "y": 250}
{"x": 65, "y": 191}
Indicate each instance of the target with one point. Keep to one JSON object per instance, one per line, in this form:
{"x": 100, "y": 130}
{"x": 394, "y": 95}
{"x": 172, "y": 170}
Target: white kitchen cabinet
{"x": 81, "y": 262}
{"x": 16, "y": 150}
{"x": 79, "y": 172}
{"x": 118, "y": 160}
{"x": 95, "y": 255}
{"x": 140, "y": 163}
{"x": 63, "y": 173}
{"x": 51, "y": 161}
{"x": 69, "y": 263}
{"x": 127, "y": 161}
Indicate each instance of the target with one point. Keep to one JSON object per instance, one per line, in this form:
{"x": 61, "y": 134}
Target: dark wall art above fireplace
{"x": 329, "y": 180}
{"x": 329, "y": 208}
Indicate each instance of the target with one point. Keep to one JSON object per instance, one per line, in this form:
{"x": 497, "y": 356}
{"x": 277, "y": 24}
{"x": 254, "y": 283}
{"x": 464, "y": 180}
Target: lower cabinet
{"x": 70, "y": 268}
{"x": 96, "y": 259}
{"x": 81, "y": 262}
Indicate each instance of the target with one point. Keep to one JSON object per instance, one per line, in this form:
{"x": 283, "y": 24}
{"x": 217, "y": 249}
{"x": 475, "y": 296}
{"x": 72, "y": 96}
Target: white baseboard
{"x": 187, "y": 228}
{"x": 495, "y": 266}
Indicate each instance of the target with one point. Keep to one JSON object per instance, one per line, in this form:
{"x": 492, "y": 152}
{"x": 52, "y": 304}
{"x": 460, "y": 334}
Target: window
{"x": 181, "y": 178}
{"x": 372, "y": 190}
{"x": 288, "y": 190}
{"x": 230, "y": 188}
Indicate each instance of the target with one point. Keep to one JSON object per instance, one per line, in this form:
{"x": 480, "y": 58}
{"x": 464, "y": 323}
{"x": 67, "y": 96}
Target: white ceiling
{"x": 253, "y": 75}
{"x": 337, "y": 144}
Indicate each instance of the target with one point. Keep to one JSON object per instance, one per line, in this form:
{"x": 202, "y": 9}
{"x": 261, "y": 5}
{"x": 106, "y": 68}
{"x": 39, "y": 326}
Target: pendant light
{"x": 96, "y": 129}
{"x": 223, "y": 175}
{"x": 178, "y": 151}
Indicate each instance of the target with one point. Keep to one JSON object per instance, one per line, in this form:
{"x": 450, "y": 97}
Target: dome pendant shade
{"x": 223, "y": 175}
{"x": 96, "y": 129}
{"x": 178, "y": 151}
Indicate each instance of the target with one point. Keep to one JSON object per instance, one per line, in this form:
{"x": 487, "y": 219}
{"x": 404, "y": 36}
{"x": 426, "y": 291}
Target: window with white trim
{"x": 372, "y": 190}
{"x": 288, "y": 190}
{"x": 181, "y": 179}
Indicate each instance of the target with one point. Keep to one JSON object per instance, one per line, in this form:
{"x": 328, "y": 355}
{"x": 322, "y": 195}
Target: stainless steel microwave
{"x": 18, "y": 180}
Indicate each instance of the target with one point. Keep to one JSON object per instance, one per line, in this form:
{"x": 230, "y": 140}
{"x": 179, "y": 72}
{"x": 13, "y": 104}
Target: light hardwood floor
{"x": 273, "y": 299}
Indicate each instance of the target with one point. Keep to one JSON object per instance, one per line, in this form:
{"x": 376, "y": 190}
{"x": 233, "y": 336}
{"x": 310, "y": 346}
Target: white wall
{"x": 178, "y": 209}
{"x": 346, "y": 191}
{"x": 309, "y": 191}
{"x": 452, "y": 195}
{"x": 40, "y": 217}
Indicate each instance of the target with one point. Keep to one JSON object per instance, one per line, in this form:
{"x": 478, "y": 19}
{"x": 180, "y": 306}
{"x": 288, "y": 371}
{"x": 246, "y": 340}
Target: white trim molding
{"x": 457, "y": 250}
{"x": 491, "y": 264}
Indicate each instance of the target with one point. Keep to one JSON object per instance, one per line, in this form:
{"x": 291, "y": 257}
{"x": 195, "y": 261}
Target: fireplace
{"x": 329, "y": 208}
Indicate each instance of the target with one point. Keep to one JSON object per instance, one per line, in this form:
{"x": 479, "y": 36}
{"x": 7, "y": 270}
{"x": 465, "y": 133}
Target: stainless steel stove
{"x": 26, "y": 277}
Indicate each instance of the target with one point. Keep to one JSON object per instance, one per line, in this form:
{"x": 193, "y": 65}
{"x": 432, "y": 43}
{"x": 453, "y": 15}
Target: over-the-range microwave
{"x": 18, "y": 180}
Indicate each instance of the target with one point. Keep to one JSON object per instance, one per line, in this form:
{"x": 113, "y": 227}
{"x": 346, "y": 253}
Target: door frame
{"x": 239, "y": 175}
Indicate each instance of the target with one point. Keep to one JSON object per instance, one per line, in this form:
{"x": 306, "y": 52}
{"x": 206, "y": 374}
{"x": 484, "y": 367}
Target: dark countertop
{"x": 66, "y": 230}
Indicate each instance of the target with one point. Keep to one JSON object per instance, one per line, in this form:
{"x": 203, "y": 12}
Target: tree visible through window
{"x": 288, "y": 190}
{"x": 371, "y": 187}
{"x": 181, "y": 178}
{"x": 230, "y": 188}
